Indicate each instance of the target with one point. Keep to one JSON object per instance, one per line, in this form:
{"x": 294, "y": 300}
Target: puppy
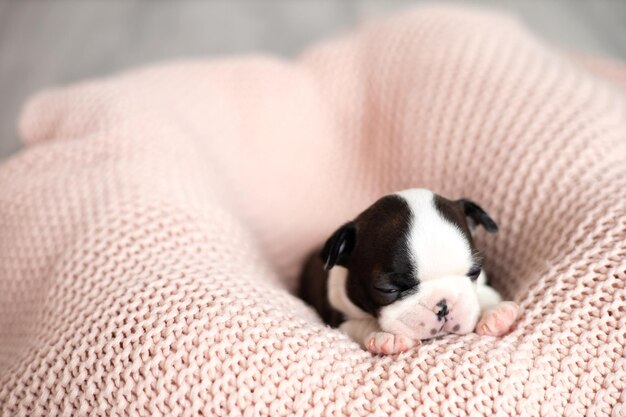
{"x": 406, "y": 269}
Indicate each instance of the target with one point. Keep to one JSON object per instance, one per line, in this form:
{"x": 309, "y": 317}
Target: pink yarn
{"x": 152, "y": 229}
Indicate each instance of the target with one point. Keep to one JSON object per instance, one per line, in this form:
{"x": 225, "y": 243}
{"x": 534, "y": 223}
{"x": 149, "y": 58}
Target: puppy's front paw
{"x": 383, "y": 343}
{"x": 499, "y": 320}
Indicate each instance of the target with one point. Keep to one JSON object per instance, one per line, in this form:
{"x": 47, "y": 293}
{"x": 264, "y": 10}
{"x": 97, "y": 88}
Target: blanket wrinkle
{"x": 152, "y": 229}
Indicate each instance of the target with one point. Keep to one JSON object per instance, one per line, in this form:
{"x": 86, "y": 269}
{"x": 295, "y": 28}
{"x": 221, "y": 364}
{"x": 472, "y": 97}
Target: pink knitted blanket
{"x": 152, "y": 229}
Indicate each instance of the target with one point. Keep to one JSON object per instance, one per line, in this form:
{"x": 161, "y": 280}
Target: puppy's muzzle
{"x": 443, "y": 309}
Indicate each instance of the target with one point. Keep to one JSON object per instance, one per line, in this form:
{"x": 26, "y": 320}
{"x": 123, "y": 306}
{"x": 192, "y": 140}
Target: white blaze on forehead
{"x": 437, "y": 246}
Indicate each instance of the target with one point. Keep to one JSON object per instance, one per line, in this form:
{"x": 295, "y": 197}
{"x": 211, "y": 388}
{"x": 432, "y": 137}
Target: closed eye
{"x": 475, "y": 271}
{"x": 394, "y": 283}
{"x": 387, "y": 290}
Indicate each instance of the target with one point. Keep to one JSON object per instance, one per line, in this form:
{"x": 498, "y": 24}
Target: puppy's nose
{"x": 443, "y": 309}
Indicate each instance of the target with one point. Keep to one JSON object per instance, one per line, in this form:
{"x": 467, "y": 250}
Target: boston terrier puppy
{"x": 405, "y": 270}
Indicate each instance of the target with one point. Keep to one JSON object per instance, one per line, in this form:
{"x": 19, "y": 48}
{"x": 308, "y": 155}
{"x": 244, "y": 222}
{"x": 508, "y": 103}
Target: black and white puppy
{"x": 406, "y": 269}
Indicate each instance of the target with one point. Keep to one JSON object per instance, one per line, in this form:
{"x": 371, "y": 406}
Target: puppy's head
{"x": 410, "y": 261}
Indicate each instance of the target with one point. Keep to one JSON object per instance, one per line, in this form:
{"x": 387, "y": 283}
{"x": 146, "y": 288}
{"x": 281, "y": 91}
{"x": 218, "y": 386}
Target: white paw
{"x": 499, "y": 320}
{"x": 384, "y": 343}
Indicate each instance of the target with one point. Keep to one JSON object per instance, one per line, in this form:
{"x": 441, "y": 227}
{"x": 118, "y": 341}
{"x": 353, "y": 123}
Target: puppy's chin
{"x": 415, "y": 316}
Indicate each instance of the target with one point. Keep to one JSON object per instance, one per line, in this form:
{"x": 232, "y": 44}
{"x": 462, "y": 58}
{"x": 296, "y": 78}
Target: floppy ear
{"x": 339, "y": 245}
{"x": 477, "y": 216}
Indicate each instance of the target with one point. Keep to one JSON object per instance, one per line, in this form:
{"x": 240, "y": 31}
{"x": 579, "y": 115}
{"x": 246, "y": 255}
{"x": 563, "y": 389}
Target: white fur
{"x": 487, "y": 297}
{"x": 438, "y": 247}
{"x": 338, "y": 297}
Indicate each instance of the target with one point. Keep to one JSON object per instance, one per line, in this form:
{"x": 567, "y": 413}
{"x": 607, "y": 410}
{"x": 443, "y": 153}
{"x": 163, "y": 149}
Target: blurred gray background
{"x": 54, "y": 42}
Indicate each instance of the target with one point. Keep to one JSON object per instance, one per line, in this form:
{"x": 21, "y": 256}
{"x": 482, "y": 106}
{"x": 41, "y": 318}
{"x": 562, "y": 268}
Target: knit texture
{"x": 152, "y": 230}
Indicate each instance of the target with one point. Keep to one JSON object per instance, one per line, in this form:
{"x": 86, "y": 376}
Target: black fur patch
{"x": 381, "y": 258}
{"x": 314, "y": 290}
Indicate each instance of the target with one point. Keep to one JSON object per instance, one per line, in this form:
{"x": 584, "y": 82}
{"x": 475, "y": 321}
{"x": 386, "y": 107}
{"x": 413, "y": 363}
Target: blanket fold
{"x": 152, "y": 229}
